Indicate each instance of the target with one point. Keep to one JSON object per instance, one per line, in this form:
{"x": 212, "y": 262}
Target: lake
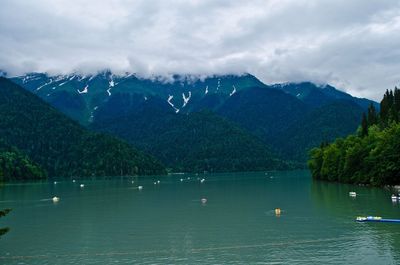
{"x": 113, "y": 222}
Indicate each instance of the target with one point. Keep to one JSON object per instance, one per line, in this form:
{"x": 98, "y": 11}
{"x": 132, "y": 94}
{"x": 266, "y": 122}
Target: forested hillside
{"x": 59, "y": 146}
{"x": 372, "y": 156}
{"x": 194, "y": 142}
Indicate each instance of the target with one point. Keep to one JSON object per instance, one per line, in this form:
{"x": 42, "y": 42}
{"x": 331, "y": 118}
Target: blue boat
{"x": 362, "y": 219}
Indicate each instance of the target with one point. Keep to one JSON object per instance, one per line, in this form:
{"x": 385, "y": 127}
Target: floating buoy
{"x": 277, "y": 211}
{"x": 202, "y": 180}
{"x": 155, "y": 183}
{"x": 133, "y": 182}
{"x": 73, "y": 181}
{"x": 158, "y": 182}
{"x": 352, "y": 194}
{"x": 203, "y": 200}
{"x": 55, "y": 182}
{"x": 56, "y": 199}
{"x": 82, "y": 185}
{"x": 181, "y": 180}
{"x": 188, "y": 178}
{"x": 140, "y": 187}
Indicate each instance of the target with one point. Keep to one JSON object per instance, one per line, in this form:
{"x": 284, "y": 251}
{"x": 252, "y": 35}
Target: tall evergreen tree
{"x": 372, "y": 116}
{"x": 396, "y": 99}
{"x": 385, "y": 107}
{"x": 364, "y": 126}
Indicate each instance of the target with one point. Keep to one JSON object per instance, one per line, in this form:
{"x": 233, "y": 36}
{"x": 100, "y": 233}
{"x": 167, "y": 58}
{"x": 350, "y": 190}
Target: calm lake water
{"x": 112, "y": 222}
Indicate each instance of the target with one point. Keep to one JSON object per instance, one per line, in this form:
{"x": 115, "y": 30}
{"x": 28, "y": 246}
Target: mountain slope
{"x": 194, "y": 142}
{"x": 263, "y": 111}
{"x": 61, "y": 146}
{"x": 268, "y": 112}
{"x": 324, "y": 124}
{"x": 84, "y": 94}
{"x": 317, "y": 96}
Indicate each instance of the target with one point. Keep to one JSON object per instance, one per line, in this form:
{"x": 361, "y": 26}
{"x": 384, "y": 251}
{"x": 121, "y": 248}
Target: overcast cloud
{"x": 352, "y": 44}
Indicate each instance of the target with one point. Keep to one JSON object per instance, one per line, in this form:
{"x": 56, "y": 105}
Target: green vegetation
{"x": 39, "y": 140}
{"x": 194, "y": 142}
{"x": 16, "y": 166}
{"x": 372, "y": 156}
{"x": 324, "y": 124}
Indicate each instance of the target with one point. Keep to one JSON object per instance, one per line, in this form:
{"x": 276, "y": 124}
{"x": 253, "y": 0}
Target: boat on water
{"x": 362, "y": 219}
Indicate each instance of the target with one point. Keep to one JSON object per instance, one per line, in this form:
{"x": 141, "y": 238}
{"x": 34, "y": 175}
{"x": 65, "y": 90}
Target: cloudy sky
{"x": 352, "y": 44}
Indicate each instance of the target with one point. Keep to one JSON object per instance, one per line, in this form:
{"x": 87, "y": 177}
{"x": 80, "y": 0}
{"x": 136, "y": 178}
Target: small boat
{"x": 362, "y": 219}
{"x": 352, "y": 194}
{"x": 394, "y": 197}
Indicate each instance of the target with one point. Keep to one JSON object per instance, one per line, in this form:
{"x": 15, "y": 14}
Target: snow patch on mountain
{"x": 111, "y": 84}
{"x": 186, "y": 99}
{"x": 84, "y": 91}
{"x": 63, "y": 83}
{"x": 233, "y": 91}
{"x": 170, "y": 97}
{"x": 45, "y": 84}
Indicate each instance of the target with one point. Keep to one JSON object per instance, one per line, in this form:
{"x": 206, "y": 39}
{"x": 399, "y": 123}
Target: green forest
{"x": 38, "y": 141}
{"x": 371, "y": 155}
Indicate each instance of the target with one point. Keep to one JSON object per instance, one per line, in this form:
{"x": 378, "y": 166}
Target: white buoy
{"x": 73, "y": 181}
{"x": 188, "y": 178}
{"x": 56, "y": 199}
{"x": 155, "y": 183}
{"x": 133, "y": 182}
{"x": 278, "y": 211}
{"x": 140, "y": 187}
{"x": 181, "y": 180}
{"x": 202, "y": 180}
{"x": 55, "y": 182}
{"x": 352, "y": 194}
{"x": 82, "y": 185}
{"x": 158, "y": 182}
{"x": 203, "y": 200}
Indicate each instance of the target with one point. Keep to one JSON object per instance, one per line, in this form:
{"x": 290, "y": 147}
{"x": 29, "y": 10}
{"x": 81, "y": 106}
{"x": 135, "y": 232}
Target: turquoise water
{"x": 112, "y": 222}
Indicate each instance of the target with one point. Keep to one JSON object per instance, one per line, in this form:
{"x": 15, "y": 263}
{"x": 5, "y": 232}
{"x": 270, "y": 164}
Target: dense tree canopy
{"x": 44, "y": 140}
{"x": 372, "y": 156}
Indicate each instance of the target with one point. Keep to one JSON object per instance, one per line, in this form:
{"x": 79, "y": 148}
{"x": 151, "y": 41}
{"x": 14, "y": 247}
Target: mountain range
{"x": 217, "y": 123}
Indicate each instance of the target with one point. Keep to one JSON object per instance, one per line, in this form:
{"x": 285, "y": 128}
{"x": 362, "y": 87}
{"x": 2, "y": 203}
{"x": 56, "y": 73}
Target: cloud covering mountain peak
{"x": 354, "y": 45}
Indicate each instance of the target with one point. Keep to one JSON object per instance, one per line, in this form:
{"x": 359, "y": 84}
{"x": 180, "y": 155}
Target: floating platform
{"x": 362, "y": 219}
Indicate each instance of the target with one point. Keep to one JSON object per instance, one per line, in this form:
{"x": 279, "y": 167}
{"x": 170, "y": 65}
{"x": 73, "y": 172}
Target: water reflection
{"x": 380, "y": 238}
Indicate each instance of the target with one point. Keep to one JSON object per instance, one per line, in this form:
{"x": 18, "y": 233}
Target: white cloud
{"x": 352, "y": 44}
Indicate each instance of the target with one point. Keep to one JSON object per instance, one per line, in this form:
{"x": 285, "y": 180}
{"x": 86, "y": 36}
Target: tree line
{"x": 371, "y": 155}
